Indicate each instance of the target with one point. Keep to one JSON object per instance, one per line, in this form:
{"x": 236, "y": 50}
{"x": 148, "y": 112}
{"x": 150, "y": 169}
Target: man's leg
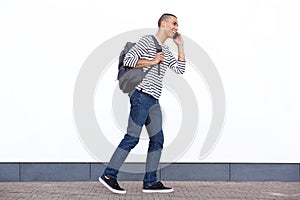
{"x": 109, "y": 177}
{"x": 137, "y": 117}
{"x": 154, "y": 129}
{"x": 120, "y": 154}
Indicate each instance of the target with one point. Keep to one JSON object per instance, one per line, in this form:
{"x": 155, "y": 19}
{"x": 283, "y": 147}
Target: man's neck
{"x": 161, "y": 36}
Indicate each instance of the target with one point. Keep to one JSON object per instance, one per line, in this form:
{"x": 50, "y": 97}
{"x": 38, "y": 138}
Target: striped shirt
{"x": 153, "y": 82}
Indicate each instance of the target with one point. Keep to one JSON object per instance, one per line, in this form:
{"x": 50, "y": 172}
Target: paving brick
{"x": 183, "y": 190}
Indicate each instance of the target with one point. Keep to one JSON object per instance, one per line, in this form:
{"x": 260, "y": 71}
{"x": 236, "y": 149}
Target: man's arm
{"x": 179, "y": 42}
{"x": 178, "y": 66}
{"x": 132, "y": 58}
{"x": 157, "y": 59}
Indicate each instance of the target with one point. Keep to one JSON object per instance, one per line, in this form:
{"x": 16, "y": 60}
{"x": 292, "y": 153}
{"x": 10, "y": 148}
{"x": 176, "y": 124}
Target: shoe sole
{"x": 158, "y": 191}
{"x": 110, "y": 188}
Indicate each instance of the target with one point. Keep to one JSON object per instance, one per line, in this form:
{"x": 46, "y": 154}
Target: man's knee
{"x": 129, "y": 142}
{"x": 156, "y": 141}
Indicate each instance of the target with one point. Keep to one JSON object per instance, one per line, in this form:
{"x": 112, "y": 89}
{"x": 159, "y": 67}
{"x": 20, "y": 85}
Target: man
{"x": 145, "y": 108}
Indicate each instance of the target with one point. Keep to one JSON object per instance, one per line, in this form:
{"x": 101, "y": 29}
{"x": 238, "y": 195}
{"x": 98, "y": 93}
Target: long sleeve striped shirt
{"x": 153, "y": 82}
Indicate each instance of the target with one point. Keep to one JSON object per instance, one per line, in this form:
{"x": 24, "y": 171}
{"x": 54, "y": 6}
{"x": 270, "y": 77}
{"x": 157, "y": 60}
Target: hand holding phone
{"x": 175, "y": 35}
{"x": 177, "y": 38}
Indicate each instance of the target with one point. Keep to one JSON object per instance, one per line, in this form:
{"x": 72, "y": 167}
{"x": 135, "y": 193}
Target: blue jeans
{"x": 144, "y": 110}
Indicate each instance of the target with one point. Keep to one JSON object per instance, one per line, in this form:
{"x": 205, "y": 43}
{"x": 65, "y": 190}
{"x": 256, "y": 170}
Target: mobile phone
{"x": 175, "y": 35}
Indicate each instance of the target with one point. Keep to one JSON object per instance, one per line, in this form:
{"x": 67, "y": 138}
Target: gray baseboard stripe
{"x": 22, "y": 172}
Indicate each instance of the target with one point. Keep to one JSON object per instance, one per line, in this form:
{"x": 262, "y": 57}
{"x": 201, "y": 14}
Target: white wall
{"x": 254, "y": 45}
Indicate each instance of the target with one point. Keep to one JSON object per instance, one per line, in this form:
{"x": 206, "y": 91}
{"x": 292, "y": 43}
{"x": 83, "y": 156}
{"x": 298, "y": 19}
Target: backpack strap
{"x": 158, "y": 49}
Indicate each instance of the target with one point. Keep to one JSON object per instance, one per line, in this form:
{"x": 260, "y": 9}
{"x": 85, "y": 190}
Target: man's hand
{"x": 178, "y": 40}
{"x": 159, "y": 57}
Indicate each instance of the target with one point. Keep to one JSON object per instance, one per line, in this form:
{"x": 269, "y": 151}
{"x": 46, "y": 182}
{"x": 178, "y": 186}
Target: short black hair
{"x": 165, "y": 16}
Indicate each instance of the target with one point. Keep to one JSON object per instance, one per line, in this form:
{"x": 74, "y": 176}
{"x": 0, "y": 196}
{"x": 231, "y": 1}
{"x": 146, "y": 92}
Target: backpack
{"x": 130, "y": 77}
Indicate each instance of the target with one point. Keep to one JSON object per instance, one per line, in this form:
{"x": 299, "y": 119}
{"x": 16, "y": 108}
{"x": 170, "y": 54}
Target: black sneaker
{"x": 111, "y": 184}
{"x": 157, "y": 188}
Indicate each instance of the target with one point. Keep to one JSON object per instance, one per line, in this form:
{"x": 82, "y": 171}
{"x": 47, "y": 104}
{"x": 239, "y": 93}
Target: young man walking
{"x": 145, "y": 108}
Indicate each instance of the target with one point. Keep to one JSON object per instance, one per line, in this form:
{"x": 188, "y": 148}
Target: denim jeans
{"x": 144, "y": 110}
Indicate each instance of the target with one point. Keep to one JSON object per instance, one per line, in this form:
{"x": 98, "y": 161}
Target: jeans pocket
{"x": 135, "y": 99}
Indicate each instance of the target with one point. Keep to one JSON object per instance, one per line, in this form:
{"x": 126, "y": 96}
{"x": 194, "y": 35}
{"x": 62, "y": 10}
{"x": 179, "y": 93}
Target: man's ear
{"x": 163, "y": 24}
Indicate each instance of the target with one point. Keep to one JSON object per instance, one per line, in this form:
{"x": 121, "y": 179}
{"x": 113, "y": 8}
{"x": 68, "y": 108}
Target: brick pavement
{"x": 183, "y": 190}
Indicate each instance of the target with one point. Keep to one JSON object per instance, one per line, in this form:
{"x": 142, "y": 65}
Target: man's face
{"x": 170, "y": 26}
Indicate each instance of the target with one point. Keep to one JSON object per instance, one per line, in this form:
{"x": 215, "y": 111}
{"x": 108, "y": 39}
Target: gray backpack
{"x": 130, "y": 77}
